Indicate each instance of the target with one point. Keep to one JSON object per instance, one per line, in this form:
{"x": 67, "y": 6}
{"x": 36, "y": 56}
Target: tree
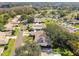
{"x": 24, "y": 16}
{"x": 30, "y": 19}
{"x": 5, "y": 18}
{"x": 11, "y": 13}
{"x": 44, "y": 13}
{"x": 59, "y": 38}
{"x": 74, "y": 46}
{"x": 1, "y": 27}
{"x": 30, "y": 48}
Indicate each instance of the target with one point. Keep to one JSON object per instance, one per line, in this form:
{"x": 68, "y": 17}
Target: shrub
{"x": 15, "y": 32}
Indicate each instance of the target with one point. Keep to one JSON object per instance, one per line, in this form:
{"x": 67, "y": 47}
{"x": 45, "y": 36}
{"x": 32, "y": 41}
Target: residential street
{"x": 18, "y": 40}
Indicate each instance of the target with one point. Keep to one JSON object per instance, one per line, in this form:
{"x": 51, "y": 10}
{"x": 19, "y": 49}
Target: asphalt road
{"x": 18, "y": 40}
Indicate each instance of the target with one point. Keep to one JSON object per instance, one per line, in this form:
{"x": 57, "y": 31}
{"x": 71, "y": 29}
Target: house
{"x": 16, "y": 20}
{"x": 41, "y": 38}
{"x": 9, "y": 26}
{"x": 13, "y": 22}
{"x": 38, "y": 20}
{"x": 38, "y": 16}
{"x": 8, "y": 33}
{"x": 38, "y": 26}
{"x": 3, "y": 39}
{"x": 74, "y": 21}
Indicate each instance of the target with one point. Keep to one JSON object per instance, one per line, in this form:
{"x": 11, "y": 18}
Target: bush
{"x": 64, "y": 52}
{"x": 67, "y": 52}
{"x": 15, "y": 32}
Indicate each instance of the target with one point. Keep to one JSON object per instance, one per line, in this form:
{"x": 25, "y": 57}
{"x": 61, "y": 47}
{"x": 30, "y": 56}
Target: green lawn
{"x": 19, "y": 25}
{"x": 77, "y": 32}
{"x": 8, "y": 48}
{"x": 76, "y": 25}
{"x": 48, "y": 20}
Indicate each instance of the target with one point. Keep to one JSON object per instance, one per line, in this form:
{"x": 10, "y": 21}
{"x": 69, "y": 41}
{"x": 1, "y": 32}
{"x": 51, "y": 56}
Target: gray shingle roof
{"x": 3, "y": 39}
{"x": 37, "y": 20}
{"x": 40, "y": 38}
{"x": 74, "y": 21}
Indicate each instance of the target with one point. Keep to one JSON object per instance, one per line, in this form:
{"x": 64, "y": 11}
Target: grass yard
{"x": 19, "y": 25}
{"x": 8, "y": 48}
{"x": 48, "y": 20}
{"x": 77, "y": 32}
{"x": 76, "y": 25}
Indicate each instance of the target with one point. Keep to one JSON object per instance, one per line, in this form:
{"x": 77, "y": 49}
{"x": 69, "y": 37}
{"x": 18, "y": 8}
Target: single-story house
{"x": 41, "y": 38}
{"x": 16, "y": 20}
{"x": 38, "y": 20}
{"x": 74, "y": 21}
{"x": 3, "y": 39}
{"x": 38, "y": 26}
{"x": 9, "y": 26}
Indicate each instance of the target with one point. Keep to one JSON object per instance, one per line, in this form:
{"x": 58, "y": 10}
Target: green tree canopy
{"x": 30, "y": 48}
{"x": 59, "y": 38}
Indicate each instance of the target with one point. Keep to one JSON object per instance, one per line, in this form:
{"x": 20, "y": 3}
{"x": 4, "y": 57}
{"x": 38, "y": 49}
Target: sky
{"x": 39, "y": 0}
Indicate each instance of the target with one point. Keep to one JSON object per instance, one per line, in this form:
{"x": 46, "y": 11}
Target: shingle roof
{"x": 74, "y": 21}
{"x": 40, "y": 38}
{"x": 37, "y": 20}
{"x": 38, "y": 26}
{"x": 3, "y": 39}
{"x": 10, "y": 25}
{"x": 16, "y": 19}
